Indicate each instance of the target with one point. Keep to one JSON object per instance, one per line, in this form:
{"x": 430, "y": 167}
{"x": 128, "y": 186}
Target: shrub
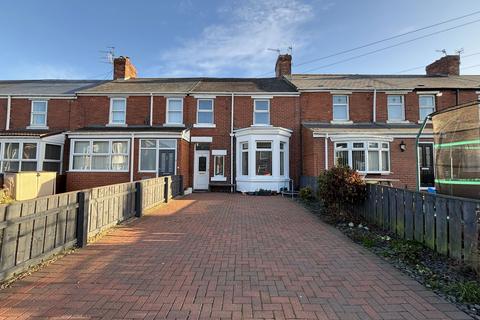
{"x": 341, "y": 186}
{"x": 4, "y": 197}
{"x": 306, "y": 193}
{"x": 468, "y": 292}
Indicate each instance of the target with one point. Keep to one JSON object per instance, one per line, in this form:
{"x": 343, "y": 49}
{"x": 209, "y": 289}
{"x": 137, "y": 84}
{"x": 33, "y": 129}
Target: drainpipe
{"x": 132, "y": 154}
{"x": 326, "y": 151}
{"x": 231, "y": 143}
{"x": 457, "y": 97}
{"x": 151, "y": 109}
{"x": 9, "y": 106}
{"x": 374, "y": 105}
{"x": 416, "y": 150}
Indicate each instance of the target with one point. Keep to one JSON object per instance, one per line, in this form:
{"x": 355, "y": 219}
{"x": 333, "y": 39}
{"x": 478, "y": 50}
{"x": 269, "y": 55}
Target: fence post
{"x": 82, "y": 220}
{"x": 138, "y": 199}
{"x": 165, "y": 190}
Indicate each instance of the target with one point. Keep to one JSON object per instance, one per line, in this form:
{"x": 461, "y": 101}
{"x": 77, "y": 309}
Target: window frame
{"x": 255, "y": 111}
{"x": 91, "y": 153}
{"x": 110, "y": 120}
{"x": 205, "y": 124}
{"x": 167, "y": 122}
{"x": 396, "y": 104}
{"x": 347, "y": 105}
{"x": 20, "y": 158}
{"x": 366, "y": 148}
{"x": 33, "y": 113}
{"x": 271, "y": 149}
{"x": 60, "y": 162}
{"x": 246, "y": 150}
{"x": 157, "y": 150}
{"x": 420, "y": 107}
{"x": 215, "y": 157}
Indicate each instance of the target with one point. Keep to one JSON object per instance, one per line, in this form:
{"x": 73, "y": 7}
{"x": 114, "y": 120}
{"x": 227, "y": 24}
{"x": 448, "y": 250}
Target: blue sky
{"x": 64, "y": 39}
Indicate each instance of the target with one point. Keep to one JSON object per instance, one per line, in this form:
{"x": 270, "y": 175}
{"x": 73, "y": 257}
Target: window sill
{"x": 261, "y": 125}
{"x": 37, "y": 128}
{"x": 122, "y": 125}
{"x": 341, "y": 122}
{"x": 173, "y": 125}
{"x": 421, "y": 121}
{"x": 398, "y": 121}
{"x": 204, "y": 125}
{"x": 218, "y": 178}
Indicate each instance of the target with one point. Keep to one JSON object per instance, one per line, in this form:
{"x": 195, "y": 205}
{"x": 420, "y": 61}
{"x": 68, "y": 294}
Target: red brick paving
{"x": 223, "y": 256}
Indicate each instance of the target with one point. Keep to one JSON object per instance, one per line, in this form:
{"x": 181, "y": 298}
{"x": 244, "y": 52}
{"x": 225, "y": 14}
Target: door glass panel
{"x": 166, "y": 162}
{"x": 202, "y": 164}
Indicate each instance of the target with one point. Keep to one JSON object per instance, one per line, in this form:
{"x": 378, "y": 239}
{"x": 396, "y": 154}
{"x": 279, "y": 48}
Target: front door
{"x": 166, "y": 162}
{"x": 427, "y": 171}
{"x": 201, "y": 172}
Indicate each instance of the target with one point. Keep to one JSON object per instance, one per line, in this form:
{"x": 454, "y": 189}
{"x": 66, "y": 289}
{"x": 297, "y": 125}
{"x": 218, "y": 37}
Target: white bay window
{"x": 100, "y": 155}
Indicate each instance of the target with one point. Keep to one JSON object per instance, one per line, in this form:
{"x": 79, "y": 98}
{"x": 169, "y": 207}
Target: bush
{"x": 4, "y": 197}
{"x": 341, "y": 186}
{"x": 306, "y": 193}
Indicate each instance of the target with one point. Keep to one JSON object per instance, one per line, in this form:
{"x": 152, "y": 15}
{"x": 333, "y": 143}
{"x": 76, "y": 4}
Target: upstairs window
{"x": 261, "y": 112}
{"x": 174, "y": 111}
{"x": 118, "y": 111}
{"x": 396, "y": 108}
{"x": 205, "y": 111}
{"x": 426, "y": 105}
{"x": 39, "y": 114}
{"x": 340, "y": 108}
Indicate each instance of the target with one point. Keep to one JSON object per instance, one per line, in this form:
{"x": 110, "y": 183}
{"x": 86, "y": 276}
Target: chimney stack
{"x": 283, "y": 67}
{"x": 123, "y": 68}
{"x": 445, "y": 66}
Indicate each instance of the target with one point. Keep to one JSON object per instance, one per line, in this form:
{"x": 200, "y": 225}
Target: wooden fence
{"x": 448, "y": 225}
{"x": 34, "y": 230}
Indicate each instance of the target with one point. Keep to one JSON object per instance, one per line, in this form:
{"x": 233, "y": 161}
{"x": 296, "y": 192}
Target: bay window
{"x": 282, "y": 158}
{"x": 426, "y": 105}
{"x": 18, "y": 156}
{"x": 261, "y": 112}
{"x": 100, "y": 155}
{"x": 263, "y": 158}
{"x": 364, "y": 156}
{"x": 38, "y": 118}
{"x": 396, "y": 108}
{"x": 174, "y": 111}
{"x": 340, "y": 108}
{"x": 118, "y": 111}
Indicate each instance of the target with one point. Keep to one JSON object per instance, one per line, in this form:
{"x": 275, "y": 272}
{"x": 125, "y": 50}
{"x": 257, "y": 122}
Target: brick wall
{"x": 87, "y": 180}
{"x": 3, "y": 113}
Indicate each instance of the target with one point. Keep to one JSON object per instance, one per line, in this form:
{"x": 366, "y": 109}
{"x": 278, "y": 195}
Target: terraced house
{"x": 241, "y": 134}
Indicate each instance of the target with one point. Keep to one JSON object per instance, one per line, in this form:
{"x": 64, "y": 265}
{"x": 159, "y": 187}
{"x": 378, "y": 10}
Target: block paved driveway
{"x": 223, "y": 256}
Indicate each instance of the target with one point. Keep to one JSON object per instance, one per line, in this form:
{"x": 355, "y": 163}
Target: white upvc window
{"x": 118, "y": 111}
{"x": 219, "y": 166}
{"x": 261, "y": 112}
{"x": 396, "y": 108}
{"x": 364, "y": 156}
{"x": 18, "y": 156}
{"x": 263, "y": 158}
{"x": 38, "y": 118}
{"x": 282, "y": 157}
{"x": 244, "y": 159}
{"x": 340, "y": 108}
{"x": 426, "y": 104}
{"x": 205, "y": 112}
{"x": 174, "y": 111}
{"x": 158, "y": 155}
{"x": 100, "y": 155}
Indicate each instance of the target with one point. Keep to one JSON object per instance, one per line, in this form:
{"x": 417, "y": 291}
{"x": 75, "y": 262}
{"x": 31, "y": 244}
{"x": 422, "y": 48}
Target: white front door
{"x": 201, "y": 173}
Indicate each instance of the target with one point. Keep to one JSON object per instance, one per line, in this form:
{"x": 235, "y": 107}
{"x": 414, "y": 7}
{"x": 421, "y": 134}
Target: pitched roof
{"x": 385, "y": 82}
{"x": 192, "y": 85}
{"x": 45, "y": 87}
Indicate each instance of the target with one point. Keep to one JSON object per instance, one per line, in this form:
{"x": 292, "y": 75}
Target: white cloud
{"x": 239, "y": 45}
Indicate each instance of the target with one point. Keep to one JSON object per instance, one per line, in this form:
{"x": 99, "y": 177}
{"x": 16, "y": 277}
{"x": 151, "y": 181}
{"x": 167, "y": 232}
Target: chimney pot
{"x": 123, "y": 68}
{"x": 283, "y": 67}
{"x": 445, "y": 66}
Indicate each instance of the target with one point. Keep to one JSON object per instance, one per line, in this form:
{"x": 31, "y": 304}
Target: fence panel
{"x": 448, "y": 225}
{"x": 34, "y": 230}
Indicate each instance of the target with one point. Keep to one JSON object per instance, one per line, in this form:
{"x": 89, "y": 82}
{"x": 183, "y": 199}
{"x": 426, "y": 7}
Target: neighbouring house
{"x": 241, "y": 134}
